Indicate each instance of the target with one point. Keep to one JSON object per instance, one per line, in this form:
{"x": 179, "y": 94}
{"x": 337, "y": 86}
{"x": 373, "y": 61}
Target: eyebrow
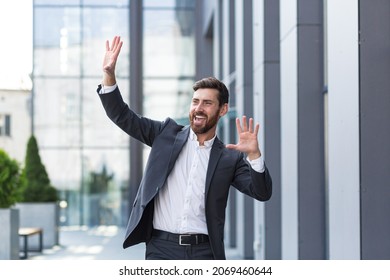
{"x": 204, "y": 100}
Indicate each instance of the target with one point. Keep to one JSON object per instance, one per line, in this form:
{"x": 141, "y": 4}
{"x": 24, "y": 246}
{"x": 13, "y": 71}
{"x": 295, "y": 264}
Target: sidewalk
{"x": 98, "y": 243}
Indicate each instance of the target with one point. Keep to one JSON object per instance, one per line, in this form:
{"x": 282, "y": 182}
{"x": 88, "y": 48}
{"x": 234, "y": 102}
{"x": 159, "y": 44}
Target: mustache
{"x": 198, "y": 114}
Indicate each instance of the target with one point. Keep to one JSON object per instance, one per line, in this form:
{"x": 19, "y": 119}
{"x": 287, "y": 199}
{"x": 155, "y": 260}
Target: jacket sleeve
{"x": 137, "y": 126}
{"x": 257, "y": 185}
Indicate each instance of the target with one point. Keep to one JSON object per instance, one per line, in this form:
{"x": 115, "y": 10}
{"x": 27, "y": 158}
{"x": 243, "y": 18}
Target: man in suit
{"x": 179, "y": 210}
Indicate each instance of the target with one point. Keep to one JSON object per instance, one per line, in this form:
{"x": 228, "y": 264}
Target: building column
{"x": 244, "y": 105}
{"x": 343, "y": 130}
{"x": 271, "y": 124}
{"x": 136, "y": 93}
{"x": 302, "y": 130}
{"x": 230, "y": 132}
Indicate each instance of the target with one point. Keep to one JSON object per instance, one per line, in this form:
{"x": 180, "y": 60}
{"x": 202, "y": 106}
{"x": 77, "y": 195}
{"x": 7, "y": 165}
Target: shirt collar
{"x": 192, "y": 136}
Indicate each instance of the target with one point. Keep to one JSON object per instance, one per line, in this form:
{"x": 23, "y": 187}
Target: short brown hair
{"x": 211, "y": 82}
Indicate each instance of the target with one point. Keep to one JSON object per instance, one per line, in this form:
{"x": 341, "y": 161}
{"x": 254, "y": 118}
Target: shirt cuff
{"x": 107, "y": 89}
{"x": 257, "y": 164}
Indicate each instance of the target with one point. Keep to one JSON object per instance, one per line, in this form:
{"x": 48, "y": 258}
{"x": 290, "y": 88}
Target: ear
{"x": 224, "y": 109}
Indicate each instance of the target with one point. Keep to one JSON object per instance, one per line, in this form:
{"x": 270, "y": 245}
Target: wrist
{"x": 108, "y": 79}
{"x": 254, "y": 155}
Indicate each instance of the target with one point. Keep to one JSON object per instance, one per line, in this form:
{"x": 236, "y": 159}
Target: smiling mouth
{"x": 198, "y": 120}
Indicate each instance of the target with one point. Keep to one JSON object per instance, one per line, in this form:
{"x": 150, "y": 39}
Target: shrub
{"x": 37, "y": 183}
{"x": 10, "y": 181}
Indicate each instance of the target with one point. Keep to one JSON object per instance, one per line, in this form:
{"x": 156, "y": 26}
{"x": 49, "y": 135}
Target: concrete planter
{"x": 9, "y": 236}
{"x": 43, "y": 215}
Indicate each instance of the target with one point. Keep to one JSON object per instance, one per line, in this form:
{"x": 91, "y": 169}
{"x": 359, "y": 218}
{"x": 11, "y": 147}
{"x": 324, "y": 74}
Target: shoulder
{"x": 171, "y": 124}
{"x": 227, "y": 153}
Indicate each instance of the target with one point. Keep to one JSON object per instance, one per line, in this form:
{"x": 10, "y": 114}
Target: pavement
{"x": 97, "y": 243}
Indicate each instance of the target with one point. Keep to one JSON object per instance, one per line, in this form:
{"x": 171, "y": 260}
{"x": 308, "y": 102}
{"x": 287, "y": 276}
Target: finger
{"x": 257, "y": 129}
{"x": 107, "y": 45}
{"x": 117, "y": 43}
{"x": 250, "y": 125}
{"x": 114, "y": 42}
{"x": 244, "y": 124}
{"x": 238, "y": 125}
{"x": 118, "y": 49}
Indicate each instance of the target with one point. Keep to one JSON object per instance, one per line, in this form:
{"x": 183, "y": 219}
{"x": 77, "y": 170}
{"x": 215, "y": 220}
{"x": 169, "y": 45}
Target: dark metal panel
{"x": 247, "y": 55}
{"x": 273, "y": 207}
{"x": 272, "y": 132}
{"x": 136, "y": 93}
{"x": 204, "y": 39}
{"x": 311, "y": 168}
{"x": 375, "y": 128}
{"x": 310, "y": 12}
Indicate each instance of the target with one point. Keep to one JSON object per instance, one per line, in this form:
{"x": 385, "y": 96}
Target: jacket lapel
{"x": 215, "y": 154}
{"x": 181, "y": 139}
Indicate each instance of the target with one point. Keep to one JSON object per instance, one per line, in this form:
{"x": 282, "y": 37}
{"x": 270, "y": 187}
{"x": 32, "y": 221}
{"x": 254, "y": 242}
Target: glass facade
{"x": 169, "y": 58}
{"x": 87, "y": 156}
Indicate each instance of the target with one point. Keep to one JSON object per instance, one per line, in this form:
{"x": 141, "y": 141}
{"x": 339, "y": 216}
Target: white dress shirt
{"x": 180, "y": 205}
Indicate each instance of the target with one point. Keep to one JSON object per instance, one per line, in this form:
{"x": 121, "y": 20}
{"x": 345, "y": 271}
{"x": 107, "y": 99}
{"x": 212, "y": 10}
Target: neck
{"x": 203, "y": 137}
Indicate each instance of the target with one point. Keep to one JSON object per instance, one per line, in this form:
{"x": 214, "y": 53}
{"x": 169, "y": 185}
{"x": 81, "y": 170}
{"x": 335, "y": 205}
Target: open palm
{"x": 247, "y": 138}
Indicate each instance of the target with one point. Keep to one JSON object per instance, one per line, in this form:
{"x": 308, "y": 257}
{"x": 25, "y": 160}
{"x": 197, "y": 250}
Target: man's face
{"x": 205, "y": 110}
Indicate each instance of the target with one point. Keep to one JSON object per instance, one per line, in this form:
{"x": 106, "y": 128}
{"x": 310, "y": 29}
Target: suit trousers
{"x": 161, "y": 249}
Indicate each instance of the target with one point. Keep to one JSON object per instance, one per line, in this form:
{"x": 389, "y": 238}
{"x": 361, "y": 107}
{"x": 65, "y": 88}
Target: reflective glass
{"x": 63, "y": 166}
{"x": 169, "y": 48}
{"x": 106, "y": 177}
{"x": 167, "y": 98}
{"x": 169, "y": 3}
{"x": 56, "y": 2}
{"x": 57, "y": 40}
{"x": 57, "y": 112}
{"x": 76, "y": 137}
{"x": 98, "y": 129}
{"x": 101, "y": 24}
{"x": 118, "y": 3}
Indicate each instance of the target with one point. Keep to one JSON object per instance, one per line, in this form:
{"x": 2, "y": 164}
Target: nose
{"x": 199, "y": 107}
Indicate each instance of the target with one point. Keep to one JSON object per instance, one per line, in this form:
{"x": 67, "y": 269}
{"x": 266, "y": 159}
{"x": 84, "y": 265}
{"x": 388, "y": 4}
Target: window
{"x": 5, "y": 125}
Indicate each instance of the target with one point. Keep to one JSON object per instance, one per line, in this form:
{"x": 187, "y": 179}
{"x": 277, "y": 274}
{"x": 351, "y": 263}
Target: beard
{"x": 209, "y": 122}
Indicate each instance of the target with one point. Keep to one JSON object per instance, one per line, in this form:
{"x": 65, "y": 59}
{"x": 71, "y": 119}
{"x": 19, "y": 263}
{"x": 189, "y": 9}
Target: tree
{"x": 10, "y": 181}
{"x": 99, "y": 181}
{"x": 37, "y": 183}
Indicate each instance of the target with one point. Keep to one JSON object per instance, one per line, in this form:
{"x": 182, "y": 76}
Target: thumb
{"x": 231, "y": 146}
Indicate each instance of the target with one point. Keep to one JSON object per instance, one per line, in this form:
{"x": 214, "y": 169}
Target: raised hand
{"x": 247, "y": 138}
{"x": 110, "y": 58}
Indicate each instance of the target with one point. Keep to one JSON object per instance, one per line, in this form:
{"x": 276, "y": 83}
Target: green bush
{"x": 10, "y": 181}
{"x": 37, "y": 183}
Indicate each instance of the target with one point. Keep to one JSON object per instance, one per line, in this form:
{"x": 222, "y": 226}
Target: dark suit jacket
{"x": 166, "y": 139}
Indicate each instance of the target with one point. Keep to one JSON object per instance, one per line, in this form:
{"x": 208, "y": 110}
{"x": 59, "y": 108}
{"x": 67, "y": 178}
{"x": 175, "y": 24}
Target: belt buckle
{"x": 186, "y": 235}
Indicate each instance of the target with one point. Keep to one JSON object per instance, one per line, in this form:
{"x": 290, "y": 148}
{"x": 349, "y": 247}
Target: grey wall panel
{"x": 311, "y": 194}
{"x": 204, "y": 39}
{"x": 375, "y": 128}
{"x": 272, "y": 127}
{"x": 244, "y": 92}
{"x": 136, "y": 93}
{"x": 272, "y": 145}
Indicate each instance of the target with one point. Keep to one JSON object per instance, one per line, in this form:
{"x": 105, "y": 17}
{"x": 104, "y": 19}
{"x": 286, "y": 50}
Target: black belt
{"x": 181, "y": 239}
